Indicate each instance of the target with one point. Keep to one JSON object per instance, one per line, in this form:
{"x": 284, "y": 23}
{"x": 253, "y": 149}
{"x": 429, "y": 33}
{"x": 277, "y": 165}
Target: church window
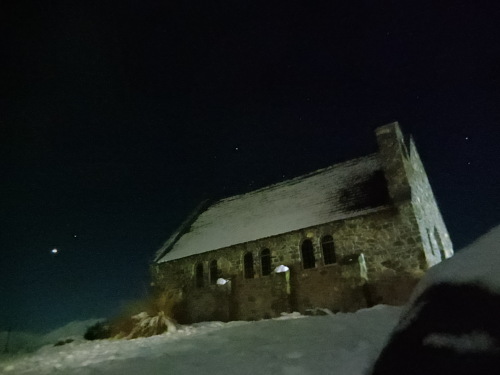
{"x": 214, "y": 272}
{"x": 440, "y": 244}
{"x": 248, "y": 266}
{"x": 328, "y": 247}
{"x": 308, "y": 260}
{"x": 199, "y": 275}
{"x": 431, "y": 242}
{"x": 265, "y": 261}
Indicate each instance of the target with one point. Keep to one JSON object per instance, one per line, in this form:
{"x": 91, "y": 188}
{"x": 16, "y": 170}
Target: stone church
{"x": 345, "y": 237}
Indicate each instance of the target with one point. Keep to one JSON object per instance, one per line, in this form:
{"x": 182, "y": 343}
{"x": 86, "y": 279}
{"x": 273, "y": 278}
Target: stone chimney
{"x": 394, "y": 155}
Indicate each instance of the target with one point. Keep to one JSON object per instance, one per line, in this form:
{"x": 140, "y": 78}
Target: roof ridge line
{"x": 297, "y": 178}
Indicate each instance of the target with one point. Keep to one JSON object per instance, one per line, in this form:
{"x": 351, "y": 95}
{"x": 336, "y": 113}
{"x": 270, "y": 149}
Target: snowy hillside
{"x": 439, "y": 331}
{"x": 344, "y": 344}
{"x": 28, "y": 342}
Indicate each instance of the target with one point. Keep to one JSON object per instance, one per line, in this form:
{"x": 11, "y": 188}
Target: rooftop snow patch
{"x": 343, "y": 190}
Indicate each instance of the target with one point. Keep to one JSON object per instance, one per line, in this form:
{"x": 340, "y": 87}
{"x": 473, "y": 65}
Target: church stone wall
{"x": 397, "y": 242}
{"x": 259, "y": 298}
{"x": 408, "y": 183}
{"x": 337, "y": 287}
{"x": 435, "y": 237}
{"x": 388, "y": 239}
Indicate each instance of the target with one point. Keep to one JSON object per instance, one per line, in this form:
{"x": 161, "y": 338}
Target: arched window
{"x": 440, "y": 244}
{"x": 214, "y": 272}
{"x": 199, "y": 275}
{"x": 328, "y": 247}
{"x": 248, "y": 265}
{"x": 265, "y": 262}
{"x": 431, "y": 243}
{"x": 308, "y": 260}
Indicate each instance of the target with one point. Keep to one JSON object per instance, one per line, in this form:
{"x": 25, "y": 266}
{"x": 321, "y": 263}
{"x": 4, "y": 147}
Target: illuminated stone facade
{"x": 352, "y": 235}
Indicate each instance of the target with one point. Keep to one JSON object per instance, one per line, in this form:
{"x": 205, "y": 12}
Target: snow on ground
{"x": 29, "y": 342}
{"x": 344, "y": 344}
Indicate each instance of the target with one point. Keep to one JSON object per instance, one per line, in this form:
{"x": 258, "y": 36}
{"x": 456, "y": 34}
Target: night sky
{"x": 118, "y": 117}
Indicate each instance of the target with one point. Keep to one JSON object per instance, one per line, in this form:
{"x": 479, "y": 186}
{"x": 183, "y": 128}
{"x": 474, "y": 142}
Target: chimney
{"x": 394, "y": 155}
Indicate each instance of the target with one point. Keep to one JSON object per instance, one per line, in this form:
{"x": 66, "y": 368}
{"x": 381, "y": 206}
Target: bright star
{"x": 54, "y": 251}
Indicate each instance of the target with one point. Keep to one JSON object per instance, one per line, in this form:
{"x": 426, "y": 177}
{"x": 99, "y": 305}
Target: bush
{"x": 143, "y": 325}
{"x": 138, "y": 318}
{"x": 98, "y": 331}
{"x": 63, "y": 342}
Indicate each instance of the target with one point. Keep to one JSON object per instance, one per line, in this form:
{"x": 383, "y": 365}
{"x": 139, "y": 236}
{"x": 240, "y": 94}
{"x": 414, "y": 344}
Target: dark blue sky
{"x": 119, "y": 117}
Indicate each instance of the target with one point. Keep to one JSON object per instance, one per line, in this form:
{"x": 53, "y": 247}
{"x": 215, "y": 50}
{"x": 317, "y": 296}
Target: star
{"x": 54, "y": 251}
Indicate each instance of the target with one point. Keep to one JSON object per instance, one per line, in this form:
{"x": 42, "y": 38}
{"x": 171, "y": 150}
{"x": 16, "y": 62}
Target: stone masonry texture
{"x": 396, "y": 243}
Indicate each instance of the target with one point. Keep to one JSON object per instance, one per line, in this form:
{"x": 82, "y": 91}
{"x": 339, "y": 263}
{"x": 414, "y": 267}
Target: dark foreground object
{"x": 451, "y": 329}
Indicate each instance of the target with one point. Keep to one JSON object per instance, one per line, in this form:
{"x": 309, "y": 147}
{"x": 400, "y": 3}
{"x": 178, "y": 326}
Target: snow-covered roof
{"x": 337, "y": 192}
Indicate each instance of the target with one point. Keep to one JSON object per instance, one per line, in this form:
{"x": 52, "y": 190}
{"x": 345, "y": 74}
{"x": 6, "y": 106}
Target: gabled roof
{"x": 343, "y": 190}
